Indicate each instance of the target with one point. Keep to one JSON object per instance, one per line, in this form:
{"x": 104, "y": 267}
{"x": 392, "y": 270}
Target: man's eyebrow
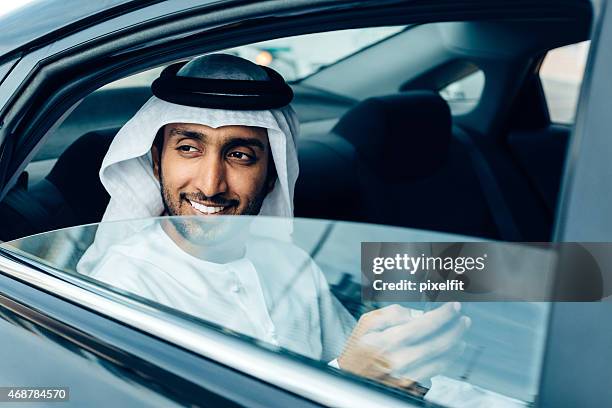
{"x": 231, "y": 142}
{"x": 188, "y": 134}
{"x": 245, "y": 141}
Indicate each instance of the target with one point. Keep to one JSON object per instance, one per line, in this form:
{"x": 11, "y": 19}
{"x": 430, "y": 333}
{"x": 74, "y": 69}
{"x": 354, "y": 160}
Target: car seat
{"x": 398, "y": 164}
{"x": 71, "y": 194}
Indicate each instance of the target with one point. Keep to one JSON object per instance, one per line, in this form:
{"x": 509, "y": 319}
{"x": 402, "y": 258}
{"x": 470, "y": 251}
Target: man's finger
{"x": 389, "y": 316}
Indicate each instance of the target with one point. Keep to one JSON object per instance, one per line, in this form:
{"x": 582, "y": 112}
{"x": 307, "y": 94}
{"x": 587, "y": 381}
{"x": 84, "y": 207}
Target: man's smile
{"x": 209, "y": 209}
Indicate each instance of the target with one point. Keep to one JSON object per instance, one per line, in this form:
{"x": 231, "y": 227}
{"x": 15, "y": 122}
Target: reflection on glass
{"x": 295, "y": 285}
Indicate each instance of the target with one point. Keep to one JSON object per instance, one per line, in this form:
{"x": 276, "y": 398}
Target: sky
{"x": 10, "y": 5}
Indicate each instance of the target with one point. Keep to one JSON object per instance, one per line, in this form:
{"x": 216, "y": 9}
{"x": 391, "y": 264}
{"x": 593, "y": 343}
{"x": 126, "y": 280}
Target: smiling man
{"x": 211, "y": 172}
{"x": 218, "y": 139}
{"x": 229, "y": 169}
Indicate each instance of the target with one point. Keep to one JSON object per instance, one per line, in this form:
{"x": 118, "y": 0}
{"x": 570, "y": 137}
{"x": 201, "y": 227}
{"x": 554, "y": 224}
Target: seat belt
{"x": 497, "y": 204}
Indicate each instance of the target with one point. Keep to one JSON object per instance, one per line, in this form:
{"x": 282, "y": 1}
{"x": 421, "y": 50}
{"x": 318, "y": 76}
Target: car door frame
{"x": 576, "y": 369}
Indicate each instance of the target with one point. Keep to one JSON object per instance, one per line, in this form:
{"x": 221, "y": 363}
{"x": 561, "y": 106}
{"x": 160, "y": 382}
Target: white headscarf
{"x": 127, "y": 168}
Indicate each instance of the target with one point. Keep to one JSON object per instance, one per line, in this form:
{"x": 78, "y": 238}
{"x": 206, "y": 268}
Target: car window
{"x": 299, "y": 56}
{"x": 463, "y": 95}
{"x": 561, "y": 75}
{"x": 298, "y": 294}
{"x": 293, "y": 57}
{"x": 106, "y": 110}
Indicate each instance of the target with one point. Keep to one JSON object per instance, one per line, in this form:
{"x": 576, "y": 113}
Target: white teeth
{"x": 205, "y": 209}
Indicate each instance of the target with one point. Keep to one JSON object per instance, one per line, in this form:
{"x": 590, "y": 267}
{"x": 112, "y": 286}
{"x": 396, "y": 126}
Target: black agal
{"x": 222, "y": 93}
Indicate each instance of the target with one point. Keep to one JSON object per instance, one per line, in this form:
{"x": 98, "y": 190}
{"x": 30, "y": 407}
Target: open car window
{"x": 298, "y": 296}
{"x": 561, "y": 74}
{"x": 321, "y": 101}
{"x": 113, "y": 104}
{"x": 293, "y": 57}
{"x": 463, "y": 95}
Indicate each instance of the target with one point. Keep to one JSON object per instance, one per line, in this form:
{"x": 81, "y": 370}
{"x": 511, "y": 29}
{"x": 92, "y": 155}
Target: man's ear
{"x": 271, "y": 181}
{"x": 272, "y": 174}
{"x": 156, "y": 152}
{"x": 156, "y": 156}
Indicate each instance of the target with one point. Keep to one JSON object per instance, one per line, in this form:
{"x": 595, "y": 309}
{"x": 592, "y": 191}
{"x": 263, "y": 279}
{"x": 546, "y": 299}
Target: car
{"x": 421, "y": 122}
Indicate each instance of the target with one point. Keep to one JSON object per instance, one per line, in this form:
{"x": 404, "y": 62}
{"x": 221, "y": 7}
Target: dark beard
{"x": 198, "y": 229}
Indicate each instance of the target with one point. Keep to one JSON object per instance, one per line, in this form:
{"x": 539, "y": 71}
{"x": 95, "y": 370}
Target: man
{"x": 218, "y": 138}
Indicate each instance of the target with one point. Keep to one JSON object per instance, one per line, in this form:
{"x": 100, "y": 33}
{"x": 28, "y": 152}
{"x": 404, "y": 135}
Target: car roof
{"x": 48, "y": 17}
{"x": 52, "y": 18}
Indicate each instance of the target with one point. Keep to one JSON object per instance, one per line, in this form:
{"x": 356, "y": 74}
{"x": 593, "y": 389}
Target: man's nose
{"x": 211, "y": 178}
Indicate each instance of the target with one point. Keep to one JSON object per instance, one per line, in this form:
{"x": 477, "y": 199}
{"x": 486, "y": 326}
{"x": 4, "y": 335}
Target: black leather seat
{"x": 71, "y": 194}
{"x": 327, "y": 186}
{"x": 406, "y": 169}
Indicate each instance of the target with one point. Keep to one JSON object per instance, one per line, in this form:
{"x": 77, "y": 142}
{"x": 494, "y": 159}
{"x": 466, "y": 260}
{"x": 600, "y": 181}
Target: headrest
{"x": 75, "y": 175}
{"x": 401, "y": 136}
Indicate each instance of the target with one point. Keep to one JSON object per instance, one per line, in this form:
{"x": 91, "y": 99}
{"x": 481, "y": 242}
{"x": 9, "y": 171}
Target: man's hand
{"x": 394, "y": 346}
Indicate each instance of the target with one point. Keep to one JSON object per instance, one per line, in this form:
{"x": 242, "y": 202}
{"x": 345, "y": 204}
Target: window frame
{"x": 584, "y": 215}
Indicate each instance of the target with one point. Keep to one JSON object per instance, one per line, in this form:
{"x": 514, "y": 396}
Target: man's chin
{"x": 209, "y": 228}
{"x": 200, "y": 229}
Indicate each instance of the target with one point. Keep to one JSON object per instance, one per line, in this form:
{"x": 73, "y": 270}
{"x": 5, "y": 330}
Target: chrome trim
{"x": 273, "y": 368}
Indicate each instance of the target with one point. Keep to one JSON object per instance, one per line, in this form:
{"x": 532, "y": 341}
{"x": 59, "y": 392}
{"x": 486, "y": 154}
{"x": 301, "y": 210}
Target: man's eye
{"x": 187, "y": 149}
{"x": 241, "y": 156}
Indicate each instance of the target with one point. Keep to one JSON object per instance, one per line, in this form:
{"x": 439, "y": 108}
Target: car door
{"x": 581, "y": 334}
{"x": 57, "y": 336}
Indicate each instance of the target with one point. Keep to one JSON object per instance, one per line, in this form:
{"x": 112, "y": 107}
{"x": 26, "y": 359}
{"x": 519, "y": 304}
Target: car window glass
{"x": 299, "y": 295}
{"x": 561, "y": 75}
{"x": 463, "y": 95}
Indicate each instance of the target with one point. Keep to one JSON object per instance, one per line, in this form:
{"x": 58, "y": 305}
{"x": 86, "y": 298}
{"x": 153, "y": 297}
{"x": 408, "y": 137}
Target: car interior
{"x": 378, "y": 140}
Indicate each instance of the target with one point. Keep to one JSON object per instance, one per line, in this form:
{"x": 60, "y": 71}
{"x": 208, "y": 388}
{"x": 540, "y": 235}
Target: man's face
{"x": 213, "y": 171}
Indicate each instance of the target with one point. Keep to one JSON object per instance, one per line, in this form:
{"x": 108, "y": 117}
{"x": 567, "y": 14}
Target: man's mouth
{"x": 208, "y": 209}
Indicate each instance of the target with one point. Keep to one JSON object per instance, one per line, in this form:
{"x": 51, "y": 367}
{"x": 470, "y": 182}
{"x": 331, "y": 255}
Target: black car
{"x": 515, "y": 149}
